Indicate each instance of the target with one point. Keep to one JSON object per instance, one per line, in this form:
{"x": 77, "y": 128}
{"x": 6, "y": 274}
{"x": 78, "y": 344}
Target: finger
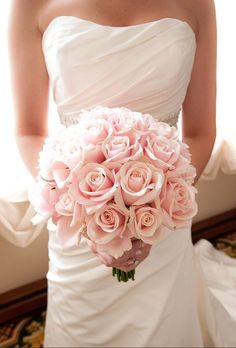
{"x": 107, "y": 259}
{"x": 141, "y": 255}
{"x": 134, "y": 253}
{"x": 104, "y": 257}
{"x": 130, "y": 265}
{"x": 127, "y": 268}
{"x": 133, "y": 262}
{"x": 127, "y": 255}
{"x": 136, "y": 245}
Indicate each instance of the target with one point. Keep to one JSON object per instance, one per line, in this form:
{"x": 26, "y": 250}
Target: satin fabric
{"x": 183, "y": 295}
{"x": 143, "y": 67}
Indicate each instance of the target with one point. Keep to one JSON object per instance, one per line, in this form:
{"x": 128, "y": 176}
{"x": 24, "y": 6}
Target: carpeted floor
{"x": 29, "y": 332}
{"x": 227, "y": 244}
{"x": 25, "y": 333}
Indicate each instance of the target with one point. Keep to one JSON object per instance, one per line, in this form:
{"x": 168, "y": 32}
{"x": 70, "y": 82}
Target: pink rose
{"x": 46, "y": 160}
{"x": 95, "y": 113}
{"x": 68, "y": 233}
{"x": 58, "y": 158}
{"x": 144, "y": 122}
{"x": 74, "y": 159}
{"x": 164, "y": 129}
{"x": 178, "y": 202}
{"x": 95, "y": 130}
{"x": 122, "y": 148}
{"x": 65, "y": 205}
{"x": 187, "y": 172}
{"x": 164, "y": 153}
{"x": 71, "y": 152}
{"x": 108, "y": 229}
{"x": 43, "y": 196}
{"x": 140, "y": 183}
{"x": 184, "y": 150}
{"x": 93, "y": 185}
{"x": 70, "y": 219}
{"x": 59, "y": 173}
{"x": 121, "y": 119}
{"x": 93, "y": 153}
{"x": 145, "y": 223}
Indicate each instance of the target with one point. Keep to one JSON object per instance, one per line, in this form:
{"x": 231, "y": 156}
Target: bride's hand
{"x": 129, "y": 260}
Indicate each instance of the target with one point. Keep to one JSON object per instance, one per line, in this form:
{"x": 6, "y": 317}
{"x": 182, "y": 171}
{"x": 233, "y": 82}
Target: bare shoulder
{"x": 203, "y": 8}
{"x": 24, "y": 14}
{"x": 205, "y": 15}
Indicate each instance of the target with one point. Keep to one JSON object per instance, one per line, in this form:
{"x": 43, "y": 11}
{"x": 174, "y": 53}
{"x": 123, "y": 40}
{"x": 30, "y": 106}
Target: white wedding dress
{"x": 183, "y": 295}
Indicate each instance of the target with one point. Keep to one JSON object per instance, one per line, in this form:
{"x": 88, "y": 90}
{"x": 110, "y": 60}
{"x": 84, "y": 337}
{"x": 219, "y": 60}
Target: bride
{"x": 153, "y": 56}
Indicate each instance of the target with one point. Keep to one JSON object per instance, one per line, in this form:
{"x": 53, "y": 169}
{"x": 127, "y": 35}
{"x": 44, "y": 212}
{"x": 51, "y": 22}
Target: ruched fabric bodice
{"x": 144, "y": 67}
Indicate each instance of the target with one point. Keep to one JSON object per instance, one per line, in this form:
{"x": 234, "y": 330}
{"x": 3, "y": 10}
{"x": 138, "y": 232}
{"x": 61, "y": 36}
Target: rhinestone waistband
{"x": 68, "y": 119}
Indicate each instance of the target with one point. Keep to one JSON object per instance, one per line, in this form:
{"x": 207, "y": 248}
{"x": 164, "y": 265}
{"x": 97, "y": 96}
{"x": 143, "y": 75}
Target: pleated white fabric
{"x": 15, "y": 224}
{"x": 145, "y": 67}
{"x": 183, "y": 295}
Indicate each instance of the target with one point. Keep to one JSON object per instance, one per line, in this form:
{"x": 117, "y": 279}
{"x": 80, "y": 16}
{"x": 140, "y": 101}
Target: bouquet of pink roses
{"x": 114, "y": 176}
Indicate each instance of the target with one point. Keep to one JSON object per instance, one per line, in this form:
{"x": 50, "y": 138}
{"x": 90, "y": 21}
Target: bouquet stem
{"x": 123, "y": 276}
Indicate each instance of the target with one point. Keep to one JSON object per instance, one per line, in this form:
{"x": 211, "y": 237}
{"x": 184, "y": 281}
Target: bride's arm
{"x": 199, "y": 107}
{"x": 29, "y": 80}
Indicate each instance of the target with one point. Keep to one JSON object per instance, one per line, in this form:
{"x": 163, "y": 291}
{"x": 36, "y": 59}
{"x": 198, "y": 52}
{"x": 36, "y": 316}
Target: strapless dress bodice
{"x": 145, "y": 67}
